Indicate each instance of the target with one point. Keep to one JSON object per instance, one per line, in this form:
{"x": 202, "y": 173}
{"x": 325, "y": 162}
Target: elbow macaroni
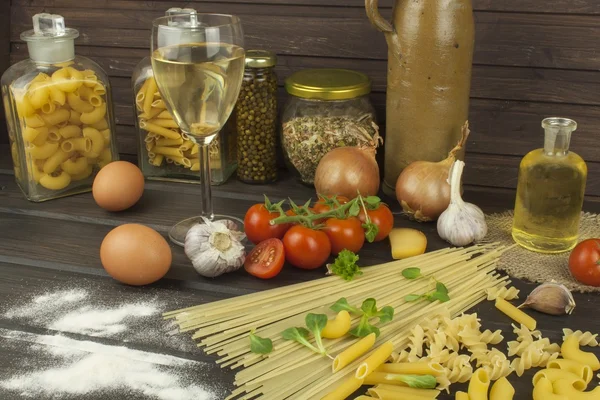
{"x": 543, "y": 390}
{"x": 64, "y": 125}
{"x": 571, "y": 351}
{"x": 478, "y": 385}
{"x": 502, "y": 390}
{"x": 338, "y": 327}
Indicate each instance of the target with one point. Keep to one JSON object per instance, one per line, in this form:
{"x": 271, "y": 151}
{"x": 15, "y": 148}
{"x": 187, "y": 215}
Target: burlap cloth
{"x": 536, "y": 267}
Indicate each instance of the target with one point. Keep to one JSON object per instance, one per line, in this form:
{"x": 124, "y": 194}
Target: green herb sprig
{"x": 414, "y": 381}
{"x": 440, "y": 292}
{"x": 260, "y": 345}
{"x": 367, "y": 311}
{"x": 345, "y": 266}
{"x": 315, "y": 324}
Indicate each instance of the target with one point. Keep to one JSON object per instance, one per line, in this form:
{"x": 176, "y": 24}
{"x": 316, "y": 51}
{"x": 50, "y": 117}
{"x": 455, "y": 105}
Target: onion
{"x": 423, "y": 189}
{"x": 346, "y": 171}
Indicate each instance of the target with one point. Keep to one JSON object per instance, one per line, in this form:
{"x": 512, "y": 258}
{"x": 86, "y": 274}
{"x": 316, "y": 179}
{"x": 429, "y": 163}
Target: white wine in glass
{"x": 198, "y": 64}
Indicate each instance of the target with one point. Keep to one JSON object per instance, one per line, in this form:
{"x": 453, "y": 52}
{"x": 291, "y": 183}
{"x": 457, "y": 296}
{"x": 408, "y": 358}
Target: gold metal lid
{"x": 260, "y": 59}
{"x": 328, "y": 84}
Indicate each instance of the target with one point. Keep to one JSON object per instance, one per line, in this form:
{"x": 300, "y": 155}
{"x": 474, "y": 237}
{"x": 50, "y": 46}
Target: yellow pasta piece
{"x": 89, "y": 95}
{"x": 100, "y": 125}
{"x": 55, "y": 182}
{"x": 36, "y": 136}
{"x": 564, "y": 388}
{"x": 89, "y": 77}
{"x": 169, "y": 142}
{"x": 166, "y": 123}
{"x": 54, "y": 161}
{"x": 164, "y": 114}
{"x": 48, "y": 108}
{"x": 414, "y": 368}
{"x": 515, "y": 314}
{"x": 24, "y": 107}
{"x": 75, "y": 118}
{"x": 97, "y": 142}
{"x": 81, "y": 144}
{"x": 84, "y": 175}
{"x": 338, "y": 327}
{"x": 159, "y": 104}
{"x": 195, "y": 166}
{"x": 570, "y": 350}
{"x": 34, "y": 121}
{"x": 141, "y": 94}
{"x": 582, "y": 370}
{"x": 502, "y": 390}
{"x": 543, "y": 390}
{"x": 158, "y": 160}
{"x": 41, "y": 77}
{"x": 75, "y": 167}
{"x": 44, "y": 151}
{"x": 345, "y": 389}
{"x": 99, "y": 89}
{"x": 374, "y": 360}
{"x": 67, "y": 79}
{"x": 159, "y": 130}
{"x": 407, "y": 242}
{"x": 94, "y": 116}
{"x": 70, "y": 131}
{"x": 106, "y": 135}
{"x": 385, "y": 392}
{"x": 181, "y": 161}
{"x": 478, "y": 385}
{"x": 461, "y": 396}
{"x": 187, "y": 145}
{"x": 364, "y": 397}
{"x": 78, "y": 104}
{"x": 377, "y": 378}
{"x": 152, "y": 114}
{"x": 53, "y": 135}
{"x": 57, "y": 117}
{"x": 168, "y": 151}
{"x": 38, "y": 94}
{"x": 553, "y": 374}
{"x": 149, "y": 96}
{"x": 57, "y": 96}
{"x": 353, "y": 352}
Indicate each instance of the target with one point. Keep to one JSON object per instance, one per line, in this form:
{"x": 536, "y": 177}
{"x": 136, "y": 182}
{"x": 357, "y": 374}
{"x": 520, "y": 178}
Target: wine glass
{"x": 198, "y": 64}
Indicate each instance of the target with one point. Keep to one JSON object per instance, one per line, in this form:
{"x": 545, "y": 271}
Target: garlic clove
{"x": 550, "y": 298}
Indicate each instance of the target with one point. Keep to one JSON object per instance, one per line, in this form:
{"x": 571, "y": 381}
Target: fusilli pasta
{"x": 585, "y": 338}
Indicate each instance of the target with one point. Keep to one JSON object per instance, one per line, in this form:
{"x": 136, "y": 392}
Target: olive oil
{"x": 550, "y": 192}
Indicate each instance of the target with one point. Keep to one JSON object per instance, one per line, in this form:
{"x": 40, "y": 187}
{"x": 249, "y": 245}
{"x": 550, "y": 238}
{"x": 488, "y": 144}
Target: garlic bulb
{"x": 215, "y": 248}
{"x": 462, "y": 223}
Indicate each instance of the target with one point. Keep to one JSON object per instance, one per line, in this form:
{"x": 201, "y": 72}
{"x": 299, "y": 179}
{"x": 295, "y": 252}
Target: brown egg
{"x": 118, "y": 186}
{"x": 135, "y": 254}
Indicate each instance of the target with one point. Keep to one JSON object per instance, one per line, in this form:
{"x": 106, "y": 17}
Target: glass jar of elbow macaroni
{"x": 59, "y": 114}
{"x": 164, "y": 152}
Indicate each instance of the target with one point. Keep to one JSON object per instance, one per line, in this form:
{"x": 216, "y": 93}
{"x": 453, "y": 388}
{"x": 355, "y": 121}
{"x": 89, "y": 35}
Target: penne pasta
{"x": 181, "y": 161}
{"x": 159, "y": 130}
{"x": 149, "y": 96}
{"x": 345, "y": 389}
{"x": 157, "y": 160}
{"x": 158, "y": 104}
{"x": 164, "y": 114}
{"x": 374, "y": 360}
{"x": 167, "y": 151}
{"x": 414, "y": 368}
{"x": 478, "y": 385}
{"x": 166, "y": 123}
{"x": 168, "y": 142}
{"x": 388, "y": 392}
{"x": 353, "y": 352}
{"x": 515, "y": 314}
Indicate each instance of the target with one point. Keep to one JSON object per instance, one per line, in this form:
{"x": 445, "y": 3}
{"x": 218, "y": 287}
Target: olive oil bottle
{"x": 550, "y": 192}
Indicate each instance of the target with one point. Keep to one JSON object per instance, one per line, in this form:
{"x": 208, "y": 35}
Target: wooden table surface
{"x": 52, "y": 246}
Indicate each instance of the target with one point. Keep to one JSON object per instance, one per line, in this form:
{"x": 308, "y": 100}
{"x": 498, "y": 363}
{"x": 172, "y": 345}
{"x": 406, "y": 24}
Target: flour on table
{"x": 84, "y": 367}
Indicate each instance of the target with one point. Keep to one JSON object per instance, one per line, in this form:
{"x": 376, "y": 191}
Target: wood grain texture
{"x": 533, "y": 59}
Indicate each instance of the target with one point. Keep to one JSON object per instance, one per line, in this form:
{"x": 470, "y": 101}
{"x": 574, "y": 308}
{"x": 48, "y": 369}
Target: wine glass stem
{"x": 206, "y": 199}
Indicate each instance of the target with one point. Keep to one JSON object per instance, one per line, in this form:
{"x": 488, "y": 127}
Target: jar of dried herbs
{"x": 327, "y": 108}
{"x": 256, "y": 119}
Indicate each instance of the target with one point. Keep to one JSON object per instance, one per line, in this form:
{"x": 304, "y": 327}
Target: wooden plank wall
{"x": 533, "y": 59}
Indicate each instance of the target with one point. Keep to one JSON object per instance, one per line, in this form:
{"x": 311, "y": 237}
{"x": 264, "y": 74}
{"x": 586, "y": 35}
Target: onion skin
{"x": 422, "y": 189}
{"x": 346, "y": 171}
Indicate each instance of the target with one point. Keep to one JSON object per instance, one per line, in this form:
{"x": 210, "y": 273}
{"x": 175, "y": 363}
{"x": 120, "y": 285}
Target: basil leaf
{"x": 372, "y": 200}
{"x": 315, "y": 323}
{"x": 411, "y": 273}
{"x": 412, "y": 297}
{"x": 441, "y": 288}
{"x": 342, "y": 304}
{"x": 260, "y": 345}
{"x": 354, "y": 209}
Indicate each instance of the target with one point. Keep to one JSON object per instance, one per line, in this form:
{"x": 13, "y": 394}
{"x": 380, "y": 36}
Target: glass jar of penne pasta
{"x": 59, "y": 114}
{"x": 164, "y": 152}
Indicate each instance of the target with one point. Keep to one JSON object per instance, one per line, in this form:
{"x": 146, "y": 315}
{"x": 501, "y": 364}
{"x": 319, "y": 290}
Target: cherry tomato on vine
{"x": 326, "y": 204}
{"x": 257, "y": 224}
{"x": 584, "y": 262}
{"x": 266, "y": 260}
{"x": 382, "y": 217}
{"x": 345, "y": 234}
{"x": 306, "y": 248}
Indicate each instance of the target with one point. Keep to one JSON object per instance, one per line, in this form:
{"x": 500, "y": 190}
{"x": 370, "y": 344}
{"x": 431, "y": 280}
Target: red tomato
{"x": 584, "y": 262}
{"x": 257, "y": 224}
{"x": 324, "y": 204}
{"x": 266, "y": 259}
{"x": 345, "y": 234}
{"x": 383, "y": 218}
{"x": 306, "y": 248}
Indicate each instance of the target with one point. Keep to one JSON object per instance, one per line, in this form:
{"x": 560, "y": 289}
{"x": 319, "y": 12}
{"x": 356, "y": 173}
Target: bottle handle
{"x": 372, "y": 7}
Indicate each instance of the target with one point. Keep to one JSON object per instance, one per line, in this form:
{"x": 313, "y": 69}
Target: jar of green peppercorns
{"x": 256, "y": 119}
